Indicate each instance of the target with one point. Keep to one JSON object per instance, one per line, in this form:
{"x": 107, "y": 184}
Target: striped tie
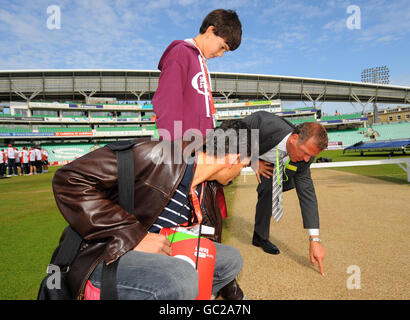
{"x": 277, "y": 189}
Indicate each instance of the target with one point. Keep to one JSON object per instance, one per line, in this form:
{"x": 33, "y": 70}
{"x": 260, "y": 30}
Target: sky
{"x": 330, "y": 39}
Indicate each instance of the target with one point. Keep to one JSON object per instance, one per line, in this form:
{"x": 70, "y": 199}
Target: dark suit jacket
{"x": 272, "y": 130}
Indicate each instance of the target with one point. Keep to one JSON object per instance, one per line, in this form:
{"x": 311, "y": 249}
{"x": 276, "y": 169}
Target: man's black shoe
{"x": 266, "y": 245}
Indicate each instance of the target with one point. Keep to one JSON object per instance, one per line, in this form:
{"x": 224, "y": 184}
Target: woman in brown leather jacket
{"x": 86, "y": 194}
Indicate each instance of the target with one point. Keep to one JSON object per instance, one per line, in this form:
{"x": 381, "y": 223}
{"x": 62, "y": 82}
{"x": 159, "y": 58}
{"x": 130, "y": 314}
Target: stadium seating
{"x": 126, "y": 117}
{"x": 11, "y": 116}
{"x": 64, "y": 129}
{"x": 109, "y": 123}
{"x": 342, "y": 117}
{"x": 68, "y": 152}
{"x": 16, "y": 129}
{"x": 392, "y": 130}
{"x": 134, "y": 128}
{"x": 46, "y": 129}
{"x": 45, "y": 116}
{"x": 386, "y": 131}
{"x": 152, "y": 127}
{"x": 302, "y": 120}
{"x": 101, "y": 117}
{"x": 348, "y": 137}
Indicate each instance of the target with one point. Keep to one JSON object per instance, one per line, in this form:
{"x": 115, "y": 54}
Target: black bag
{"x": 54, "y": 286}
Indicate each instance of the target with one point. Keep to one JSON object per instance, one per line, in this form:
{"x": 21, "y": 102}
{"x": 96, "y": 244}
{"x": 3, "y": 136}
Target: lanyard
{"x": 198, "y": 212}
{"x": 211, "y": 99}
{"x": 277, "y": 168}
{"x": 196, "y": 203}
{"x": 284, "y": 170}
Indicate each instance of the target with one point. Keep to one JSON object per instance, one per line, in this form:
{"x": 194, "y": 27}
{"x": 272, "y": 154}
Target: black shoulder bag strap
{"x": 69, "y": 249}
{"x": 125, "y": 163}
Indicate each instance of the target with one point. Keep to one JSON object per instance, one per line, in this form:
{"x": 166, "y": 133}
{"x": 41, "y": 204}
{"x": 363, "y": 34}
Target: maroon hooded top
{"x": 182, "y": 93}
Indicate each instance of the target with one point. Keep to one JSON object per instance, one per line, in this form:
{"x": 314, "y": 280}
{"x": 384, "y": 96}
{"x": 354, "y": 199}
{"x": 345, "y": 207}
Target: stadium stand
{"x": 15, "y": 129}
{"x": 392, "y": 130}
{"x": 387, "y": 131}
{"x": 64, "y": 129}
{"x": 297, "y": 120}
{"x": 134, "y": 128}
{"x": 63, "y": 126}
{"x": 342, "y": 117}
{"x": 63, "y": 153}
{"x": 347, "y": 137}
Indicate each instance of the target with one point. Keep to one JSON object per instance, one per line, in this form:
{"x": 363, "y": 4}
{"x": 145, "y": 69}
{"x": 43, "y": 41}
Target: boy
{"x": 184, "y": 88}
{"x": 183, "y": 101}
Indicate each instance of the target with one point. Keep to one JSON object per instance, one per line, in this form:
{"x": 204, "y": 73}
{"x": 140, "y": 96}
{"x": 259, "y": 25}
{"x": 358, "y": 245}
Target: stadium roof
{"x": 126, "y": 84}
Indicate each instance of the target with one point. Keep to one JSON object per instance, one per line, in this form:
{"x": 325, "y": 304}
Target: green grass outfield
{"x": 31, "y": 224}
{"x": 388, "y": 172}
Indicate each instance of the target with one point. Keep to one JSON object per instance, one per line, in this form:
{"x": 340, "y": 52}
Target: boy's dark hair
{"x": 227, "y": 26}
{"x": 231, "y": 137}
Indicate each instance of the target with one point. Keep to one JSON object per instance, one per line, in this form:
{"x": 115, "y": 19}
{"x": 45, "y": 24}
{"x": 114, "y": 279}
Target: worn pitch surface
{"x": 364, "y": 226}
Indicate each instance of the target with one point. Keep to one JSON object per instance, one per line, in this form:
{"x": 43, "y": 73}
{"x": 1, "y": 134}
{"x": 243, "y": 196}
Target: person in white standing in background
{"x": 39, "y": 159}
{"x": 18, "y": 161}
{"x": 11, "y": 161}
{"x": 25, "y": 161}
{"x": 2, "y": 163}
{"x": 45, "y": 159}
{"x": 32, "y": 159}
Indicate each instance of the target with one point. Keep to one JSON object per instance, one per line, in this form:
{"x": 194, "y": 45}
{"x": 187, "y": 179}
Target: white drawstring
{"x": 206, "y": 91}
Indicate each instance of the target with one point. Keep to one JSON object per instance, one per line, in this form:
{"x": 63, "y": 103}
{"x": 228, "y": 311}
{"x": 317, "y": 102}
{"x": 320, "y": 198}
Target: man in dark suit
{"x": 300, "y": 145}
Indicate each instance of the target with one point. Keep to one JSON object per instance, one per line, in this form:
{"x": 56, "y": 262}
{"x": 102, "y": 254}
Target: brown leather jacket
{"x": 86, "y": 194}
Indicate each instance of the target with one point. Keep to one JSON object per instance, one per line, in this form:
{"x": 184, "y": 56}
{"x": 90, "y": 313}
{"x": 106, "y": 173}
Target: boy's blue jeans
{"x": 148, "y": 276}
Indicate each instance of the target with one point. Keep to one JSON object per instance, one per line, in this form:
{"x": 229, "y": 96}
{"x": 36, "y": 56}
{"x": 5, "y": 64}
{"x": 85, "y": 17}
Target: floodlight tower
{"x": 376, "y": 75}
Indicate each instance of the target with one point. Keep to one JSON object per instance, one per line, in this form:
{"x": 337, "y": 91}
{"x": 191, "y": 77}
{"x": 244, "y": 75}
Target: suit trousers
{"x": 263, "y": 213}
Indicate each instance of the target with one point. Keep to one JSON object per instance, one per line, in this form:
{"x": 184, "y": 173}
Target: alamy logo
{"x": 54, "y": 280}
{"x": 353, "y": 281}
{"x": 54, "y": 18}
{"x": 354, "y": 20}
{"x": 198, "y": 83}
